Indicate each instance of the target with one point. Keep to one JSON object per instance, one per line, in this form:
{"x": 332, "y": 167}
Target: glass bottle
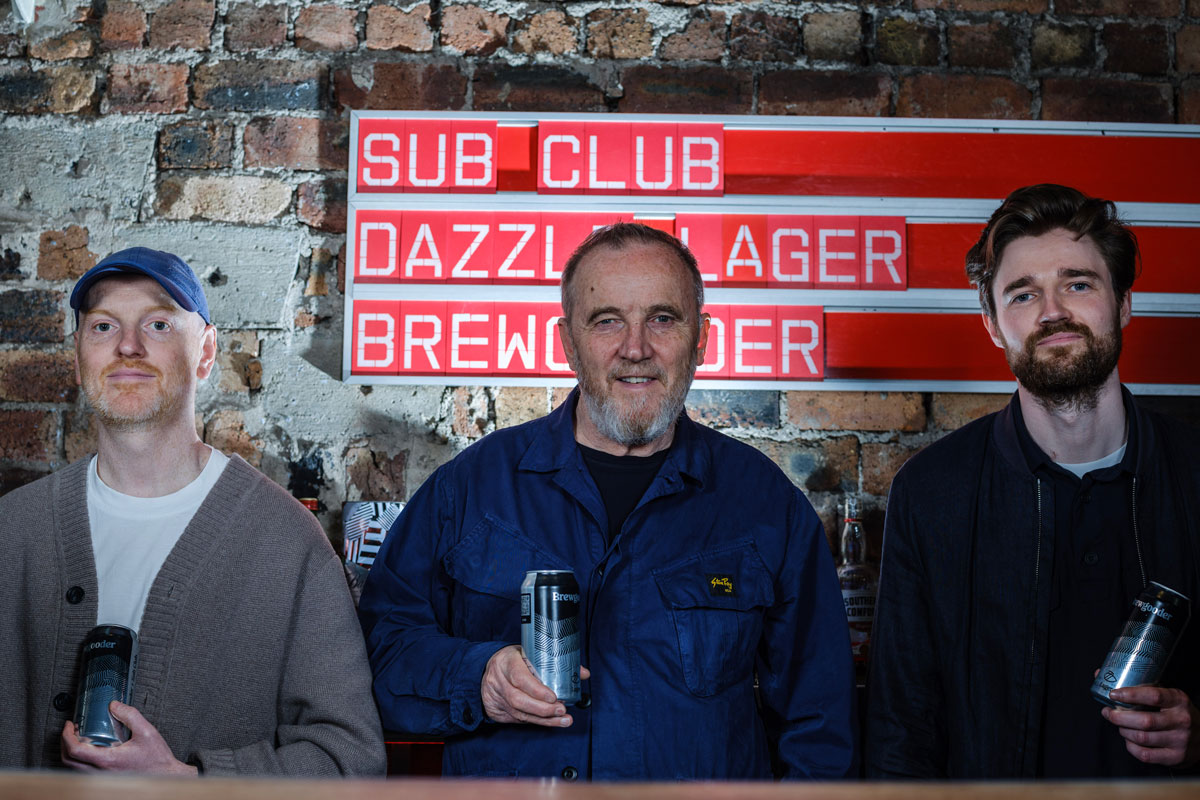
{"x": 859, "y": 582}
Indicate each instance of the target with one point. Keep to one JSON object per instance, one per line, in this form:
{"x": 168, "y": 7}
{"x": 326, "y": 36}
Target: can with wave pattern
{"x": 1140, "y": 653}
{"x": 550, "y": 629}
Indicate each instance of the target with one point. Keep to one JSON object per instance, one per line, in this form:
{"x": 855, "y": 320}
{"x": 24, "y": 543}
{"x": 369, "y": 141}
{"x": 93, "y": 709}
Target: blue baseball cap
{"x": 171, "y": 272}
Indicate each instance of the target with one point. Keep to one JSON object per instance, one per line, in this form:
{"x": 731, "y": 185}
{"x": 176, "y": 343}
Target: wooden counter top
{"x": 40, "y": 786}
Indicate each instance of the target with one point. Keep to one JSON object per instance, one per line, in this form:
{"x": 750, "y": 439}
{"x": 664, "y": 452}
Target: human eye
{"x": 1020, "y": 298}
{"x": 160, "y": 326}
{"x": 102, "y": 327}
{"x": 1080, "y": 286}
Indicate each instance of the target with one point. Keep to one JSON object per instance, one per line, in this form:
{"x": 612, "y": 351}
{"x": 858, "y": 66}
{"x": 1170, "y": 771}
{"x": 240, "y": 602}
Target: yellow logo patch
{"x": 721, "y": 585}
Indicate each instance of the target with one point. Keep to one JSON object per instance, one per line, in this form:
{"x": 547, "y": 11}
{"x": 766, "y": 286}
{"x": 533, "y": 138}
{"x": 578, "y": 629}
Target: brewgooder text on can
{"x": 107, "y": 663}
{"x": 1140, "y": 653}
{"x": 550, "y": 629}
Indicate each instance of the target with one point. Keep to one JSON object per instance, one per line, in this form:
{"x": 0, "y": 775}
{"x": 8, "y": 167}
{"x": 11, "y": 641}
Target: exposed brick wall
{"x": 219, "y": 128}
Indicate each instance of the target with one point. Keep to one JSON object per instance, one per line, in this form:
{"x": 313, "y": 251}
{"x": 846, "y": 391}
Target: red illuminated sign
{"x": 831, "y": 250}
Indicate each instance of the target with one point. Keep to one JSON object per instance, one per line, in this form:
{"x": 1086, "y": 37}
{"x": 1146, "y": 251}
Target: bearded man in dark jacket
{"x": 1013, "y": 546}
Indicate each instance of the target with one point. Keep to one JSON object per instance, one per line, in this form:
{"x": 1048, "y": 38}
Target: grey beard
{"x": 629, "y": 432}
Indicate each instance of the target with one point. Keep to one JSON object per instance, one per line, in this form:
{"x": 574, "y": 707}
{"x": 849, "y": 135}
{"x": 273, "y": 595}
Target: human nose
{"x": 635, "y": 346}
{"x": 1053, "y": 310}
{"x": 130, "y": 343}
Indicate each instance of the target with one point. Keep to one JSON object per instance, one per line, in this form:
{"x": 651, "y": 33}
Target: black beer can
{"x": 107, "y": 664}
{"x": 550, "y": 629}
{"x": 1140, "y": 654}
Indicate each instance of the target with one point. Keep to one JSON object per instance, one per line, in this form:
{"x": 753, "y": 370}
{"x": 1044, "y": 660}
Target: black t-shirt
{"x": 1094, "y": 578}
{"x": 622, "y": 480}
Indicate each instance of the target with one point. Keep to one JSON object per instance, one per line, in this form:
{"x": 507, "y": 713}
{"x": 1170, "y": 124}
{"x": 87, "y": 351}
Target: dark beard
{"x": 1060, "y": 382}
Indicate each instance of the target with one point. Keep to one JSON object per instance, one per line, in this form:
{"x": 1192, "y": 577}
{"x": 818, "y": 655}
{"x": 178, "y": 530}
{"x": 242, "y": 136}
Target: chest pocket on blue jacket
{"x": 487, "y": 566}
{"x": 716, "y": 601}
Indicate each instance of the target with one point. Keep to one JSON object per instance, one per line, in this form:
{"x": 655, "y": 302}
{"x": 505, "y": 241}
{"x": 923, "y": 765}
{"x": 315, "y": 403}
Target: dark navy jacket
{"x": 958, "y": 659}
{"x": 673, "y": 660}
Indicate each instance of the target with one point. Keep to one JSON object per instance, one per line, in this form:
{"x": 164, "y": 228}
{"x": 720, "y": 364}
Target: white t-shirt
{"x": 132, "y": 537}
{"x": 1109, "y": 460}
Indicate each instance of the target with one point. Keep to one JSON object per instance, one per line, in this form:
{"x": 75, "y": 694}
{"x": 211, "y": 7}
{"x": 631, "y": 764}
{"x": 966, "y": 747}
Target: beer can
{"x": 1140, "y": 653}
{"x": 107, "y": 664}
{"x": 550, "y": 629}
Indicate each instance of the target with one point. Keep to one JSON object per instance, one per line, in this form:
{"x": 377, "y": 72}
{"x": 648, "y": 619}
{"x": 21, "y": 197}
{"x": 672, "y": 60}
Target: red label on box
{"x": 472, "y": 333}
{"x": 837, "y": 253}
{"x": 702, "y": 235}
{"x": 789, "y": 251}
{"x": 801, "y": 342}
{"x": 381, "y": 155}
{"x": 429, "y": 152}
{"x": 520, "y": 339}
{"x": 754, "y": 347}
{"x": 476, "y": 147}
{"x": 701, "y": 159}
{"x": 423, "y": 335}
{"x": 422, "y": 244}
{"x": 561, "y": 159}
{"x": 884, "y": 255}
{"x": 609, "y": 161}
{"x": 374, "y": 344}
{"x": 744, "y": 237}
{"x": 377, "y": 246}
{"x": 554, "y": 359}
{"x": 517, "y": 253}
{"x": 469, "y": 237}
{"x": 716, "y": 354}
{"x": 655, "y": 158}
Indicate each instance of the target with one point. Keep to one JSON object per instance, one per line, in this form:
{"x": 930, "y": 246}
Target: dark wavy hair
{"x": 623, "y": 234}
{"x": 1035, "y": 210}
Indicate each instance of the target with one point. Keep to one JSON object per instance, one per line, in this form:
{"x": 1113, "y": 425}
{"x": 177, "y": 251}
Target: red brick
{"x": 16, "y": 477}
{"x": 683, "y": 90}
{"x": 849, "y": 94}
{"x": 56, "y": 90}
{"x": 75, "y": 44}
{"x": 821, "y": 465}
{"x": 80, "y": 436}
{"x": 758, "y": 36}
{"x": 183, "y": 23}
{"x": 723, "y": 408}
{"x": 472, "y": 30}
{"x": 321, "y": 264}
{"x": 951, "y": 410}
{"x": 1189, "y": 103}
{"x": 1103, "y": 100}
{"x": 196, "y": 144}
{"x": 237, "y": 362}
{"x": 147, "y": 88}
{"x": 702, "y": 40}
{"x": 469, "y": 414}
{"x": 907, "y": 42}
{"x": 881, "y": 461}
{"x": 31, "y": 316}
{"x": 251, "y": 27}
{"x": 322, "y": 204}
{"x": 1056, "y": 45}
{"x": 123, "y": 26}
{"x": 247, "y": 85}
{"x": 389, "y": 28}
{"x": 962, "y": 96}
{"x": 37, "y": 376}
{"x": 1136, "y": 48}
{"x": 1187, "y": 49}
{"x": 27, "y": 435}
{"x": 551, "y": 32}
{"x": 834, "y": 36}
{"x": 403, "y": 85}
{"x": 518, "y": 404}
{"x": 857, "y": 411}
{"x": 620, "y": 33}
{"x": 535, "y": 88}
{"x": 297, "y": 143}
{"x": 326, "y": 28}
{"x": 10, "y": 265}
{"x": 376, "y": 476}
{"x": 988, "y": 45}
{"x": 64, "y": 255}
{"x": 12, "y": 45}
{"x": 226, "y": 431}
{"x": 1011, "y": 6}
{"x": 1119, "y": 8}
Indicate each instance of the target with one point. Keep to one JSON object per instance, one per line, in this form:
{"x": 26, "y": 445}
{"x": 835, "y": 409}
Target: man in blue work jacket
{"x": 701, "y": 567}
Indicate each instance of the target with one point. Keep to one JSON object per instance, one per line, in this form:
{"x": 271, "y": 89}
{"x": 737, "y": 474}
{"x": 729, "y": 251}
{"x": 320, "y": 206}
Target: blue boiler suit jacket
{"x": 673, "y": 649}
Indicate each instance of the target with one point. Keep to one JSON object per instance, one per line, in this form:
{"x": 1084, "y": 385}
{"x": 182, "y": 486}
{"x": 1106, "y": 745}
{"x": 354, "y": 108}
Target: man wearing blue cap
{"x": 250, "y": 658}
